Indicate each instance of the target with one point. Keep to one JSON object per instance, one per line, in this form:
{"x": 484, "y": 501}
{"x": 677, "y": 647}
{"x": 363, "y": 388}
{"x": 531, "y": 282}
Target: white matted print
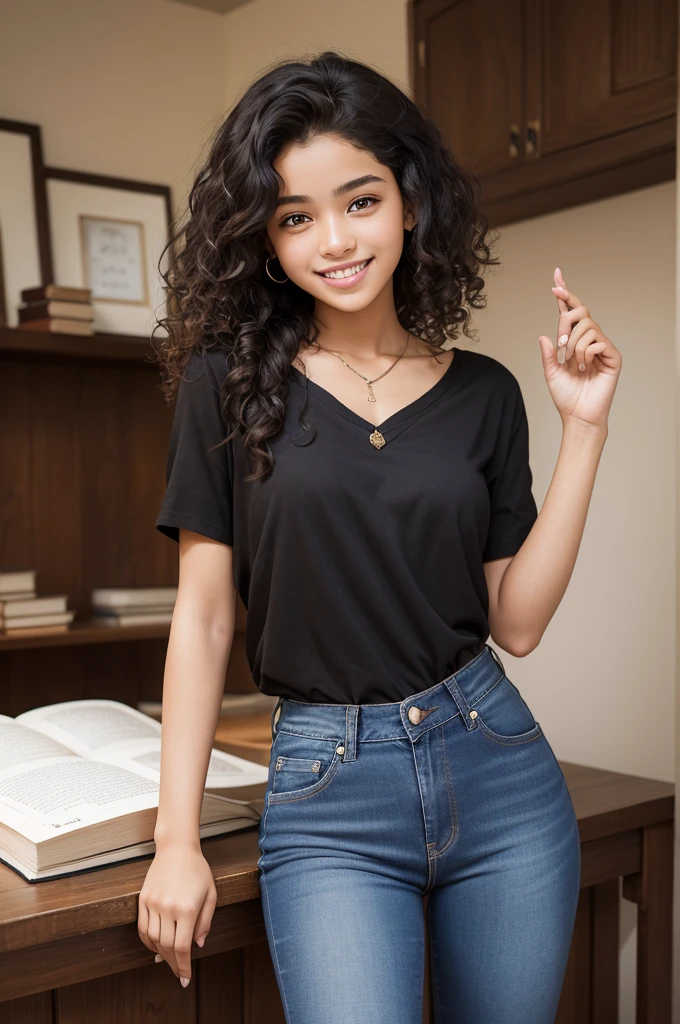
{"x": 114, "y": 259}
{"x": 18, "y": 221}
{"x": 68, "y": 202}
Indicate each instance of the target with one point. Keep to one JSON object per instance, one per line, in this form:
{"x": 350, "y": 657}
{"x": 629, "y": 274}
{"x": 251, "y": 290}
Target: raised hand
{"x": 583, "y": 370}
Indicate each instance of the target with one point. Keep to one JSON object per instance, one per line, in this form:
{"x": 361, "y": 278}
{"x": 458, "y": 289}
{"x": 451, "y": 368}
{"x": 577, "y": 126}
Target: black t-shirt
{"x": 361, "y": 568}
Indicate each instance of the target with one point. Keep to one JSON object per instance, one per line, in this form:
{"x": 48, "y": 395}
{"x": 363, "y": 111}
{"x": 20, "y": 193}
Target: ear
{"x": 410, "y": 220}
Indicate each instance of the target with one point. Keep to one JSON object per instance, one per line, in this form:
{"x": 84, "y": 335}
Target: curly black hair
{"x": 217, "y": 290}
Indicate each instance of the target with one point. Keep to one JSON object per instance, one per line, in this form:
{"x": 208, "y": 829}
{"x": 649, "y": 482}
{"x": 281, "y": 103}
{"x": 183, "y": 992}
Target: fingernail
{"x": 185, "y": 982}
{"x": 200, "y": 942}
{"x": 158, "y": 958}
{"x": 563, "y": 339}
{"x": 581, "y": 366}
{"x": 561, "y": 355}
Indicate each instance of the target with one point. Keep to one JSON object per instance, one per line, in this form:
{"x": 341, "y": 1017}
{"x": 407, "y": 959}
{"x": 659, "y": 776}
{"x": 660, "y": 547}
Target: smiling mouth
{"x": 348, "y": 271}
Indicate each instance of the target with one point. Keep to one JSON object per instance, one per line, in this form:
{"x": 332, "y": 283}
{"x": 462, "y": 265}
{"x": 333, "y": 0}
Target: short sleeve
{"x": 509, "y": 479}
{"x": 199, "y": 481}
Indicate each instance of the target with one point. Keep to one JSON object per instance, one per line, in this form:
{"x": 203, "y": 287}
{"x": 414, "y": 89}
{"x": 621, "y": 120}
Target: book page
{"x": 110, "y": 732}
{"x": 19, "y": 744}
{"x": 91, "y": 727}
{"x": 107, "y": 730}
{"x": 56, "y": 795}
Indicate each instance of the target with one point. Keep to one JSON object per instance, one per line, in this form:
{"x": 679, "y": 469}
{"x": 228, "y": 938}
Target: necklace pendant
{"x": 377, "y": 440}
{"x": 371, "y": 396}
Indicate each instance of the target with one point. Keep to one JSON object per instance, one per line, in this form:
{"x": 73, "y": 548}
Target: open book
{"x": 79, "y": 787}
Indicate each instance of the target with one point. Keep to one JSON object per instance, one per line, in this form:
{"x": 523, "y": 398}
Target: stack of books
{"x": 133, "y": 606}
{"x": 23, "y": 613}
{"x": 57, "y": 308}
{"x": 81, "y": 787}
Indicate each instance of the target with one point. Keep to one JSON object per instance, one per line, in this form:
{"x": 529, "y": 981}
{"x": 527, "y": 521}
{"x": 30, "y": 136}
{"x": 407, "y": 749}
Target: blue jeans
{"x": 455, "y": 792}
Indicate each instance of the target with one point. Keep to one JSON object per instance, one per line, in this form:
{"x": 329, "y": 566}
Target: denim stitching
{"x": 385, "y": 739}
{"x": 264, "y": 834}
{"x": 452, "y": 805}
{"x": 307, "y": 735}
{"x": 430, "y": 876}
{"x": 432, "y": 868}
{"x": 509, "y": 741}
{"x": 492, "y": 687}
{"x": 306, "y": 766}
{"x": 317, "y": 787}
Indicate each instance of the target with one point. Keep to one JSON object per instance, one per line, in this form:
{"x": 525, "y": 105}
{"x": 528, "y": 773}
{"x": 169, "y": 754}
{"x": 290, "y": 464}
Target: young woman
{"x": 365, "y": 487}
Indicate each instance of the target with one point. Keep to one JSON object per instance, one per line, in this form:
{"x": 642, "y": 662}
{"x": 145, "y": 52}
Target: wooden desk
{"x": 70, "y": 952}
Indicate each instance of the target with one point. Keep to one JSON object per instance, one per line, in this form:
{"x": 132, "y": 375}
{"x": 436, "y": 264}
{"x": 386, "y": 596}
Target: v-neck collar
{"x": 397, "y": 418}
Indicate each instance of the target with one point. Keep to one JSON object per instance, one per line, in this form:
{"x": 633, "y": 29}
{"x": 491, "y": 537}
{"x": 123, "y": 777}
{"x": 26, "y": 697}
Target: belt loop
{"x": 497, "y": 658}
{"x": 461, "y": 700}
{"x": 351, "y": 717}
{"x": 275, "y": 717}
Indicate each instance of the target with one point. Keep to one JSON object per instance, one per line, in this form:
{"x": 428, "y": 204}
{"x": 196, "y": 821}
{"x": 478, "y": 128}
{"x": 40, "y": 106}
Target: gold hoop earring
{"x": 266, "y": 267}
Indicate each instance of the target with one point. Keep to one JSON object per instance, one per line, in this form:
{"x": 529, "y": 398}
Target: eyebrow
{"x": 349, "y": 186}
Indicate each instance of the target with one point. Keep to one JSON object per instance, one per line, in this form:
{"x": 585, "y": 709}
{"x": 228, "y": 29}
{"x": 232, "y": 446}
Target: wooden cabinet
{"x": 550, "y": 104}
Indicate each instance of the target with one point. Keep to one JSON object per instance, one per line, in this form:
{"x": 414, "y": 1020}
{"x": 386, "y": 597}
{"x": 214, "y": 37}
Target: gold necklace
{"x": 371, "y": 396}
{"x": 376, "y": 438}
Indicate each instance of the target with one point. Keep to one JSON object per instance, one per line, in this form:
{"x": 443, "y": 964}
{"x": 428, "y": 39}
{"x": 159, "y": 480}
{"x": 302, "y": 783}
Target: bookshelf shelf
{"x": 123, "y": 348}
{"x": 85, "y": 632}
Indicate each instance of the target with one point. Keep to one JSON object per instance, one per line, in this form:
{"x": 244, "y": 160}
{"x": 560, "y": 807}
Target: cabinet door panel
{"x": 607, "y": 68}
{"x": 469, "y": 77}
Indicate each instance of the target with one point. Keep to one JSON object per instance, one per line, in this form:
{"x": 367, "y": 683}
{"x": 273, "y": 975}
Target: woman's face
{"x": 337, "y": 206}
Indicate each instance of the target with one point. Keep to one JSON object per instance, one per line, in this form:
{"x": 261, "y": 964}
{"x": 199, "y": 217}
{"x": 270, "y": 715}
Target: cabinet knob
{"x": 533, "y": 128}
{"x": 514, "y": 139}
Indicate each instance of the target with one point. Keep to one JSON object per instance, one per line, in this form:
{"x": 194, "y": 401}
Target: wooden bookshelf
{"x": 117, "y": 348}
{"x": 86, "y": 631}
{"x": 84, "y": 431}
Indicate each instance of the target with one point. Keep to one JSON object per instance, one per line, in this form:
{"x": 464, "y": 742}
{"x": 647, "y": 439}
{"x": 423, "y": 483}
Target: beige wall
{"x": 266, "y": 30}
{"x": 135, "y": 89}
{"x": 129, "y": 89}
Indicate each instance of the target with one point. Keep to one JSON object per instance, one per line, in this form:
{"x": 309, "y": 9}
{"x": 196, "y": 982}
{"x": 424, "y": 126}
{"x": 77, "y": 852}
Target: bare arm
{"x": 200, "y": 641}
{"x": 178, "y": 898}
{"x": 525, "y": 590}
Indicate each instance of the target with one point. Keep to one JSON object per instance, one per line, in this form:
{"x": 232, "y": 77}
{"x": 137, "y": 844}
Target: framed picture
{"x": 108, "y": 234}
{"x": 24, "y": 226}
{"x": 114, "y": 264}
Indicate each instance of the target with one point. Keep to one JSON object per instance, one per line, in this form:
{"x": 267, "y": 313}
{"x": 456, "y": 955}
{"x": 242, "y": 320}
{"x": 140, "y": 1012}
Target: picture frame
{"x": 114, "y": 267}
{"x": 25, "y": 254}
{"x": 108, "y": 234}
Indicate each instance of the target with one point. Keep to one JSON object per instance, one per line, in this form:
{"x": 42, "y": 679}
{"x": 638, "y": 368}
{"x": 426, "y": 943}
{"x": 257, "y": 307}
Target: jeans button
{"x": 414, "y": 714}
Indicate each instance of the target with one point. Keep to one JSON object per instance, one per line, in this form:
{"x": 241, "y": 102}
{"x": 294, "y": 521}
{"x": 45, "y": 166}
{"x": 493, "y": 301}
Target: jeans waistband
{"x": 416, "y": 714}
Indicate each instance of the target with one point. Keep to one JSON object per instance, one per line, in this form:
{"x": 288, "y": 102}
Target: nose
{"x": 336, "y": 238}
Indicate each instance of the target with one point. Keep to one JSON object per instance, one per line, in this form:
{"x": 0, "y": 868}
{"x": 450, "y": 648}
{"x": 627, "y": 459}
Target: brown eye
{"x": 364, "y": 199}
{"x": 290, "y": 217}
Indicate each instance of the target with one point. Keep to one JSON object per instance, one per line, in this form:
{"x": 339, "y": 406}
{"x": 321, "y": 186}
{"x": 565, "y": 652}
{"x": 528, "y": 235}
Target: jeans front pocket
{"x": 504, "y": 716}
{"x": 303, "y": 765}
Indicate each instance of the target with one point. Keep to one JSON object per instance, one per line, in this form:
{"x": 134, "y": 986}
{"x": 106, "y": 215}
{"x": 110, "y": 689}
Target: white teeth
{"x": 348, "y": 272}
